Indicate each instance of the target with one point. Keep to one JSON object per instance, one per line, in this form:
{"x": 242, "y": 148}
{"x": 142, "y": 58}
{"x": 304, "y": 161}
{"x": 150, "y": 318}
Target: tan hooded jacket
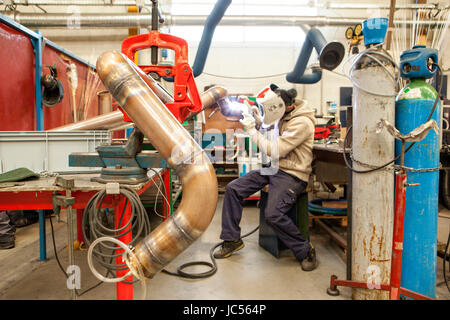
{"x": 294, "y": 143}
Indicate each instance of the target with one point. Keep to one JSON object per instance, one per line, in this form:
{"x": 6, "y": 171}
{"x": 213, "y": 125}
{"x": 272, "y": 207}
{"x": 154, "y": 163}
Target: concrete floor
{"x": 252, "y": 273}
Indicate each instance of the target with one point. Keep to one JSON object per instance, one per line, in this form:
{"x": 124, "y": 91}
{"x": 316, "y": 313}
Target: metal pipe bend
{"x": 184, "y": 155}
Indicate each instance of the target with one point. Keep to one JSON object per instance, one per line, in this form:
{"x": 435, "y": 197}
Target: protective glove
{"x": 257, "y": 116}
{"x": 249, "y": 123}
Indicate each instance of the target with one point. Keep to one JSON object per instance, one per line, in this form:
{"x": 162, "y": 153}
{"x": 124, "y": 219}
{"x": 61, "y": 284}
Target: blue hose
{"x": 208, "y": 32}
{"x": 211, "y": 23}
{"x": 315, "y": 207}
{"x": 314, "y": 39}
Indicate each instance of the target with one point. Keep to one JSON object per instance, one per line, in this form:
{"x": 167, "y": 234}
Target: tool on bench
{"x": 122, "y": 163}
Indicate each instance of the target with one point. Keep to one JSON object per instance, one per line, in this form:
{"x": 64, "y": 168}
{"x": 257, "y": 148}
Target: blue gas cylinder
{"x": 413, "y": 106}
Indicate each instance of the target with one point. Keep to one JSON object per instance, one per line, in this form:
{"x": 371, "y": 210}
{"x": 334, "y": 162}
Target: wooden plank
{"x": 391, "y": 25}
{"x": 335, "y": 204}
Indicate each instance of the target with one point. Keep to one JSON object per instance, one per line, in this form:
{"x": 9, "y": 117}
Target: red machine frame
{"x": 186, "y": 96}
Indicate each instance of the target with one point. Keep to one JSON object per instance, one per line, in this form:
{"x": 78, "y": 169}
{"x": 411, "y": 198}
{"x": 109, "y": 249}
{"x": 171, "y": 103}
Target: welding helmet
{"x": 273, "y": 102}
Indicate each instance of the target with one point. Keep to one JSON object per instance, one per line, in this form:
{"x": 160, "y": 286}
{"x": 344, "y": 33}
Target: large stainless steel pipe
{"x": 114, "y": 120}
{"x": 325, "y": 5}
{"x": 60, "y": 20}
{"x": 181, "y": 152}
{"x": 105, "y": 121}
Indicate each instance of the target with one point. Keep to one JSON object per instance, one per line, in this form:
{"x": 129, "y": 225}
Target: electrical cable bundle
{"x": 138, "y": 225}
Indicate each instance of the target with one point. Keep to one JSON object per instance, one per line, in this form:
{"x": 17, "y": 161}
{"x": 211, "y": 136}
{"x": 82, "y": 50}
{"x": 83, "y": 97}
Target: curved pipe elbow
{"x": 314, "y": 40}
{"x": 312, "y": 78}
{"x": 330, "y": 56}
{"x": 181, "y": 152}
{"x": 212, "y": 96}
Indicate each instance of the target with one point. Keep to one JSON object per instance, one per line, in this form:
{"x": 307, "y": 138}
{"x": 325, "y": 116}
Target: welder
{"x": 293, "y": 122}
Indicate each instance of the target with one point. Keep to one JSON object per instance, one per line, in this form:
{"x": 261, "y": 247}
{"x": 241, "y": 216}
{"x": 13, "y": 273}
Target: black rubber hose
{"x": 213, "y": 265}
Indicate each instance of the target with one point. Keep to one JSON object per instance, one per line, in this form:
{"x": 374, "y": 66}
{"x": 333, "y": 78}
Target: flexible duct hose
{"x": 181, "y": 152}
{"x": 330, "y": 55}
{"x": 208, "y": 32}
{"x": 314, "y": 39}
{"x": 211, "y": 23}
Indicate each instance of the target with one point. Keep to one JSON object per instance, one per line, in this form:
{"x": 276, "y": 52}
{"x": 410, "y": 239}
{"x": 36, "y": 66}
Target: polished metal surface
{"x": 60, "y": 20}
{"x": 326, "y": 5}
{"x": 103, "y": 122}
{"x": 104, "y": 102}
{"x": 114, "y": 120}
{"x": 178, "y": 148}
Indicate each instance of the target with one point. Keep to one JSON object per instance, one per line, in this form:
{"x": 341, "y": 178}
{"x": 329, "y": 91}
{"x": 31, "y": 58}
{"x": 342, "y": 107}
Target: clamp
{"x": 67, "y": 202}
{"x": 186, "y": 97}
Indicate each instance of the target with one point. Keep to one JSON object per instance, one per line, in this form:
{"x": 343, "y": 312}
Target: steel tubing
{"x": 114, "y": 120}
{"x": 60, "y": 20}
{"x": 325, "y": 5}
{"x": 182, "y": 153}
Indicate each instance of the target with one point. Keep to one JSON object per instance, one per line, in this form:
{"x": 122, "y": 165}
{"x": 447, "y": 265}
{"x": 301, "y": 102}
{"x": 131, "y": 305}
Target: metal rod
{"x": 70, "y": 240}
{"x": 155, "y": 25}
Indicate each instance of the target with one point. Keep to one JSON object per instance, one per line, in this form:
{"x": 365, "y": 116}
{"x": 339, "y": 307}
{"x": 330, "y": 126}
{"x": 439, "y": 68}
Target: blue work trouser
{"x": 283, "y": 192}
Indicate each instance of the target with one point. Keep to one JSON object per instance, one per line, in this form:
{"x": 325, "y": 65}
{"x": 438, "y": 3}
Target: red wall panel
{"x": 85, "y": 102}
{"x": 17, "y": 86}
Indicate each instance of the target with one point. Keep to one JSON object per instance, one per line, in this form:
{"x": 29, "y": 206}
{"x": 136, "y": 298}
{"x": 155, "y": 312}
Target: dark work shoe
{"x": 310, "y": 262}
{"x": 227, "y": 248}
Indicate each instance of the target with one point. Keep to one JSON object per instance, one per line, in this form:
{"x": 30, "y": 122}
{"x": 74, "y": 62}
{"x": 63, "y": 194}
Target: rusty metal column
{"x": 373, "y": 192}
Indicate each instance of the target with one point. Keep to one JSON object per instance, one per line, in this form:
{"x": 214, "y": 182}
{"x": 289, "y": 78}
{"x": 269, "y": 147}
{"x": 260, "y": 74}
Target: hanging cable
{"x": 409, "y": 147}
{"x": 138, "y": 222}
{"x": 371, "y": 53}
{"x": 79, "y": 294}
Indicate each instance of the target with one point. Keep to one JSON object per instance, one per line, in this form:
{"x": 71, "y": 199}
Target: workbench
{"x": 37, "y": 195}
{"x": 329, "y": 166}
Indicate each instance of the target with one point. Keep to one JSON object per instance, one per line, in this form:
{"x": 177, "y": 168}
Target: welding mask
{"x": 273, "y": 102}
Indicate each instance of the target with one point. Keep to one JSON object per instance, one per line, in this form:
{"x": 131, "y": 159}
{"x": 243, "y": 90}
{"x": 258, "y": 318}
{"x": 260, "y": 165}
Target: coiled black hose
{"x": 138, "y": 224}
{"x": 213, "y": 265}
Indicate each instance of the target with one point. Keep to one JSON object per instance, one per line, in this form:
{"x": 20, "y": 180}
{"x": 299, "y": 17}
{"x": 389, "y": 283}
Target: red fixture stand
{"x": 186, "y": 96}
{"x": 394, "y": 288}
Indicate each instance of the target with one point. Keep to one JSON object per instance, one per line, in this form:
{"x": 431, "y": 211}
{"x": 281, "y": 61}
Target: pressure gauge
{"x": 358, "y": 29}
{"x": 349, "y": 33}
